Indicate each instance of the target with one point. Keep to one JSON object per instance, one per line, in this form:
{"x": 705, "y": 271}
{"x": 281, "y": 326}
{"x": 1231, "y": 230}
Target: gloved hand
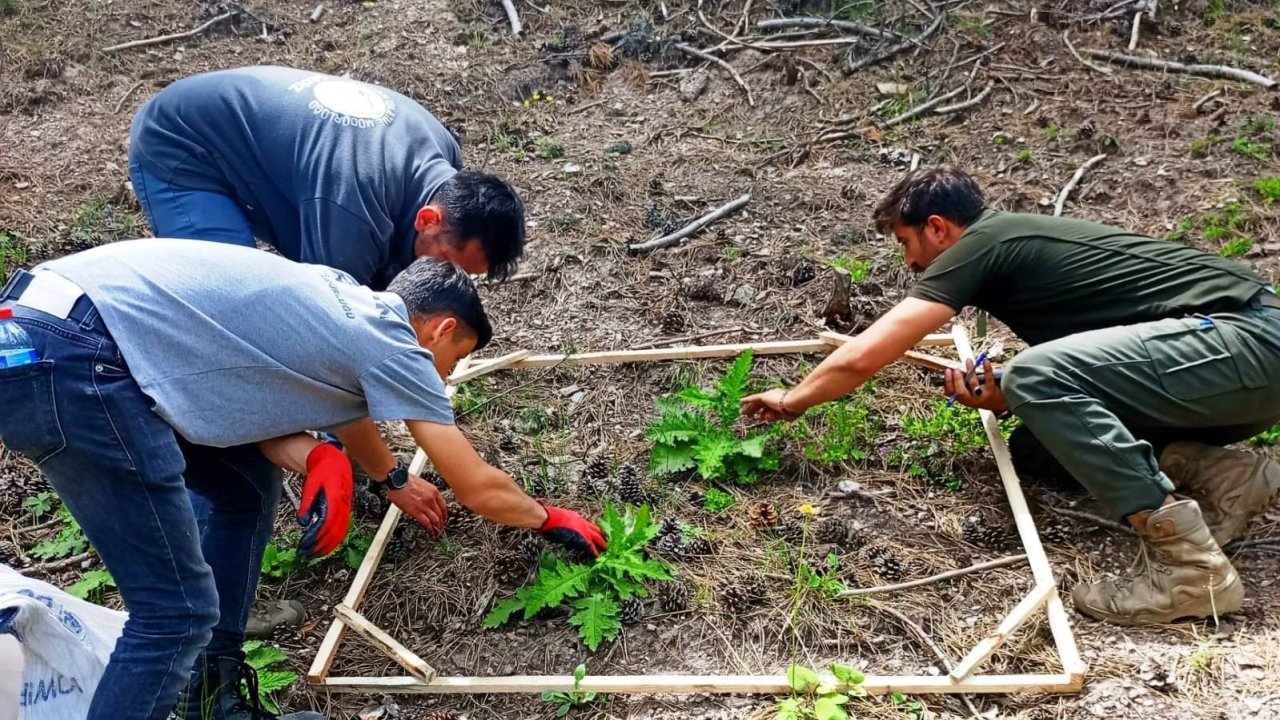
{"x": 325, "y": 510}
{"x": 571, "y": 530}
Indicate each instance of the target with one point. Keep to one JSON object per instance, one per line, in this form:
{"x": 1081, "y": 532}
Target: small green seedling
{"x": 1236, "y": 247}
{"x": 1024, "y": 156}
{"x": 812, "y": 698}
{"x": 913, "y": 709}
{"x": 1268, "y": 188}
{"x": 38, "y": 505}
{"x": 858, "y": 269}
{"x": 547, "y": 148}
{"x": 1270, "y": 436}
{"x": 565, "y": 702}
{"x": 69, "y": 541}
{"x": 717, "y": 501}
{"x": 265, "y": 659}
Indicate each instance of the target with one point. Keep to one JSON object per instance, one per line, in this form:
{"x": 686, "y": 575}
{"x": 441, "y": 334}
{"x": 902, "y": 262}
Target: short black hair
{"x": 431, "y": 287}
{"x": 944, "y": 190}
{"x": 480, "y": 206}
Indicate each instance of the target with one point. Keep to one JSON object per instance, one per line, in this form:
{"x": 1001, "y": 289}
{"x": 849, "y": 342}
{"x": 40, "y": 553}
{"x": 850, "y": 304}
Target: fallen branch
{"x": 1137, "y": 28}
{"x": 816, "y": 22}
{"x": 690, "y": 50}
{"x": 1209, "y": 71}
{"x": 971, "y": 102}
{"x": 175, "y": 36}
{"x": 674, "y": 238}
{"x": 1090, "y": 518}
{"x": 64, "y": 563}
{"x": 1205, "y": 98}
{"x": 900, "y": 47}
{"x": 940, "y": 577}
{"x": 1067, "y": 41}
{"x": 923, "y": 107}
{"x": 125, "y": 96}
{"x": 1075, "y": 180}
{"x": 513, "y": 16}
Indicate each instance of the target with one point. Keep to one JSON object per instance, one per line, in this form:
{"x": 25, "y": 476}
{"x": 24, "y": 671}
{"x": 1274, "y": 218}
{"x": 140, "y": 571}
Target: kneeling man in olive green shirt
{"x": 1146, "y": 358}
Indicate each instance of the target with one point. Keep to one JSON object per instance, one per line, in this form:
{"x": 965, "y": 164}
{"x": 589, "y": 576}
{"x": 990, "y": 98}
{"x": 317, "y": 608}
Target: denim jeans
{"x": 124, "y": 475}
{"x": 177, "y": 212}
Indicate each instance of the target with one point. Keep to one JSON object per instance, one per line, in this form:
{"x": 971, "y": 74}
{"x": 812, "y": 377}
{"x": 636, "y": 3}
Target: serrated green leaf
{"x": 671, "y": 459}
{"x": 596, "y": 618}
{"x": 501, "y": 613}
{"x": 89, "y": 583}
{"x": 711, "y": 451}
{"x": 753, "y": 445}
{"x": 638, "y": 568}
{"x": 676, "y": 423}
{"x": 789, "y": 709}
{"x": 801, "y": 678}
{"x": 264, "y": 656}
{"x": 830, "y": 707}
{"x": 272, "y": 681}
{"x": 555, "y": 584}
{"x": 698, "y": 397}
{"x": 733, "y": 387}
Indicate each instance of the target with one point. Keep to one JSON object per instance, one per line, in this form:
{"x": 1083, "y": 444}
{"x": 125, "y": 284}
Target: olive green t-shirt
{"x": 1047, "y": 277}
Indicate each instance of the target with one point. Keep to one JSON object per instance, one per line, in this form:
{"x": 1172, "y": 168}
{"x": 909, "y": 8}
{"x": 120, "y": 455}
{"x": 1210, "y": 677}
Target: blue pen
{"x": 982, "y": 357}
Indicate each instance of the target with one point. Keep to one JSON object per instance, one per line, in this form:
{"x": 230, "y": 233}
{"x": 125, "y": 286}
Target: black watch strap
{"x": 396, "y": 479}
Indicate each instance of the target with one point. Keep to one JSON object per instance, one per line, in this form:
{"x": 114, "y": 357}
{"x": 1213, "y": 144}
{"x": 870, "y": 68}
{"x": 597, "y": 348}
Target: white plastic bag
{"x": 65, "y": 645}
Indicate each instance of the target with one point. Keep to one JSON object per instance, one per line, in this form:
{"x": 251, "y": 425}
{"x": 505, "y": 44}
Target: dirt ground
{"x": 614, "y": 135}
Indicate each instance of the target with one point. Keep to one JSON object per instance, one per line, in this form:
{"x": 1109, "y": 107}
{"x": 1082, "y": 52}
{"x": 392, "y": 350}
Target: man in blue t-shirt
{"x": 326, "y": 170}
{"x": 174, "y": 365}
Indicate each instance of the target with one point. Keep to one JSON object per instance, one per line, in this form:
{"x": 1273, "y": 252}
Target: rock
{"x": 621, "y": 147}
{"x": 743, "y": 294}
{"x": 693, "y": 85}
{"x": 848, "y": 486}
{"x": 572, "y": 168}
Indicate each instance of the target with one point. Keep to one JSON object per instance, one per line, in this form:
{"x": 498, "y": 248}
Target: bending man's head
{"x": 476, "y": 221}
{"x": 445, "y": 310}
{"x": 928, "y": 211}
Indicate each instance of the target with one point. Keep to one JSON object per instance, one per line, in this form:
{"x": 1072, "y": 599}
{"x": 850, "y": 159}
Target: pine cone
{"x": 803, "y": 273}
{"x": 696, "y": 546}
{"x": 667, "y": 546}
{"x": 790, "y": 530}
{"x": 883, "y": 562}
{"x": 511, "y": 568}
{"x": 674, "y": 596}
{"x": 1056, "y": 534}
{"x": 762, "y": 515}
{"x": 630, "y": 612}
{"x": 9, "y": 555}
{"x": 702, "y": 288}
{"x": 628, "y": 485}
{"x": 742, "y": 593}
{"x": 1087, "y": 130}
{"x": 439, "y": 715}
{"x": 460, "y": 519}
{"x": 595, "y": 477}
{"x": 831, "y": 531}
{"x": 538, "y": 484}
{"x": 673, "y": 323}
{"x": 982, "y": 533}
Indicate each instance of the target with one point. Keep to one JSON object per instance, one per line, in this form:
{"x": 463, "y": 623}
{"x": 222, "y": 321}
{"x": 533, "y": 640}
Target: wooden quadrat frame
{"x": 421, "y": 678}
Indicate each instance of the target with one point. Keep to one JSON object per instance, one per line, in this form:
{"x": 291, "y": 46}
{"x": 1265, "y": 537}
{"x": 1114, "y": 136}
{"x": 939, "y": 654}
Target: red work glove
{"x": 325, "y": 510}
{"x": 571, "y": 530}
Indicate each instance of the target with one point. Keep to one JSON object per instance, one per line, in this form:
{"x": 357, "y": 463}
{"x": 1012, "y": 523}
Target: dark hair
{"x": 483, "y": 207}
{"x": 431, "y": 287}
{"x": 943, "y": 190}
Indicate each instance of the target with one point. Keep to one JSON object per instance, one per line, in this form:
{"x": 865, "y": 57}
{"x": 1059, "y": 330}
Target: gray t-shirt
{"x": 237, "y": 346}
{"x": 329, "y": 170}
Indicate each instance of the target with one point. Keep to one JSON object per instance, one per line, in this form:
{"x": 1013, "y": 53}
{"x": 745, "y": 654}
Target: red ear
{"x": 428, "y": 216}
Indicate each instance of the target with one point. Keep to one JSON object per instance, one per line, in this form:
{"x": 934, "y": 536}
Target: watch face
{"x": 398, "y": 477}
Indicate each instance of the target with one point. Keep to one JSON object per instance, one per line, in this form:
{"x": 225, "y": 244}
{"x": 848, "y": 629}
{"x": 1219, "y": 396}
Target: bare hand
{"x": 767, "y": 406}
{"x": 986, "y": 395}
{"x": 423, "y": 502}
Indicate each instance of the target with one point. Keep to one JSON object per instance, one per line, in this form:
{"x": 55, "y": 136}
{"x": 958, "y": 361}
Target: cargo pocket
{"x": 1192, "y": 359}
{"x": 29, "y": 423}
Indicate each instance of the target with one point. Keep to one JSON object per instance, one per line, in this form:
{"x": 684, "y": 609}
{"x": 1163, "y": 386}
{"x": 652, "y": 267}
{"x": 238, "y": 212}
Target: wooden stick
{"x": 927, "y": 640}
{"x": 686, "y": 338}
{"x": 988, "y": 645}
{"x": 167, "y": 38}
{"x": 317, "y": 14}
{"x": 62, "y": 564}
{"x": 1068, "y": 653}
{"x": 940, "y": 577}
{"x": 1209, "y": 71}
{"x": 328, "y": 650}
{"x": 125, "y": 96}
{"x": 688, "y": 352}
{"x": 484, "y": 368}
{"x": 817, "y": 22}
{"x": 922, "y": 107}
{"x": 725, "y": 684}
{"x": 674, "y": 238}
{"x": 379, "y": 638}
{"x": 690, "y": 50}
{"x": 513, "y": 16}
{"x": 1205, "y": 98}
{"x": 971, "y": 102}
{"x": 900, "y": 47}
{"x": 1066, "y": 40}
{"x": 1137, "y": 28}
{"x": 1075, "y": 180}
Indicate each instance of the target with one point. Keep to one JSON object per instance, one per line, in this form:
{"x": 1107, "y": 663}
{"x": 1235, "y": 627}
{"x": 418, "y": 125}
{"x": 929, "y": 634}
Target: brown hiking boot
{"x": 1185, "y": 574}
{"x": 1232, "y": 486}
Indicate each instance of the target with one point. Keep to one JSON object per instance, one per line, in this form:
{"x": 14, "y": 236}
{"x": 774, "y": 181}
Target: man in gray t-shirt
{"x": 168, "y": 365}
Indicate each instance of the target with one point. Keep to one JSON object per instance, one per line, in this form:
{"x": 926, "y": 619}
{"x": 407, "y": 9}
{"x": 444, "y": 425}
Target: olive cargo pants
{"x": 1105, "y": 402}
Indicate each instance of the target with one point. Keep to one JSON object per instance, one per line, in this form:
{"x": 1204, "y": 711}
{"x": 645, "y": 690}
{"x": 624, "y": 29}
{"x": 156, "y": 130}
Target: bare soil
{"x": 614, "y": 136}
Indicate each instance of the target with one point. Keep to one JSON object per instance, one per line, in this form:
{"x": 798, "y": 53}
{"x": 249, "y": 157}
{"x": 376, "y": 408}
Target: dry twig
{"x": 922, "y": 107}
{"x": 1089, "y": 518}
{"x": 125, "y": 96}
{"x": 674, "y": 238}
{"x": 690, "y": 50}
{"x": 513, "y": 16}
{"x": 1137, "y": 28}
{"x": 900, "y": 47}
{"x": 1209, "y": 71}
{"x": 64, "y": 563}
{"x": 971, "y": 102}
{"x": 1205, "y": 98}
{"x": 817, "y": 22}
{"x": 1075, "y": 180}
{"x": 1066, "y": 39}
{"x": 174, "y": 36}
{"x": 928, "y": 641}
{"x": 940, "y": 577}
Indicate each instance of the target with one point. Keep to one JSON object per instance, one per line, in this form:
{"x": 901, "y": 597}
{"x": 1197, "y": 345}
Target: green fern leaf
{"x": 733, "y": 387}
{"x": 596, "y": 619}
{"x": 555, "y": 583}
{"x": 676, "y": 423}
{"x": 671, "y": 459}
{"x": 698, "y": 397}
{"x": 637, "y": 568}
{"x": 753, "y": 445}
{"x": 711, "y": 451}
{"x": 501, "y": 613}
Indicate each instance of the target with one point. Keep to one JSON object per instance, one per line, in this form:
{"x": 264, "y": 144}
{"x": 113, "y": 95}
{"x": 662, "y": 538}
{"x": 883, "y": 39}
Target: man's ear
{"x": 429, "y": 216}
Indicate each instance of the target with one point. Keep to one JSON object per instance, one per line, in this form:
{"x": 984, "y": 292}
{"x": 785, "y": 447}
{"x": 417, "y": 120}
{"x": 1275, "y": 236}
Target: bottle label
{"x": 16, "y": 358}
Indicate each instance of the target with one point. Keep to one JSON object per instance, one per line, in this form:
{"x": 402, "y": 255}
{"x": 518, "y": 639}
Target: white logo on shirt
{"x": 347, "y": 102}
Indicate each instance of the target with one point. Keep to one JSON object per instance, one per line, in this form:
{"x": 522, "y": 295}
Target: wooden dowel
{"x": 688, "y": 352}
{"x": 988, "y": 645}
{"x": 379, "y": 638}
{"x": 486, "y": 367}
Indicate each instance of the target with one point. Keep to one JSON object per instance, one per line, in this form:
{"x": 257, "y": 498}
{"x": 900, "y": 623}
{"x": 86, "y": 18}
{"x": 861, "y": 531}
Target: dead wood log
{"x": 817, "y": 22}
{"x": 1209, "y": 71}
{"x": 674, "y": 238}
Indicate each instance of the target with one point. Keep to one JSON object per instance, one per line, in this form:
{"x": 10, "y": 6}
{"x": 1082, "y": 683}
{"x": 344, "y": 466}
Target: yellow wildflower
{"x": 808, "y": 509}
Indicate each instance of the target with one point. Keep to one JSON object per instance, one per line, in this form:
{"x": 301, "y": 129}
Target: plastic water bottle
{"x": 15, "y": 345}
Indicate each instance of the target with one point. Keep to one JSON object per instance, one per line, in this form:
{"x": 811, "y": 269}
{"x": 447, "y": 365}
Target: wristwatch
{"x": 396, "y": 479}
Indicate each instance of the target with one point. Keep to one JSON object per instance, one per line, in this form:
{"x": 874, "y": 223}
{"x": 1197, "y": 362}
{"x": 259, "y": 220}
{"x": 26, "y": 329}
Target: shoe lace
{"x": 246, "y": 679}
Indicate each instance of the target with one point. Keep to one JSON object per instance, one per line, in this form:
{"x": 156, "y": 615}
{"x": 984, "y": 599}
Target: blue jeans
{"x": 124, "y": 475}
{"x": 177, "y": 212}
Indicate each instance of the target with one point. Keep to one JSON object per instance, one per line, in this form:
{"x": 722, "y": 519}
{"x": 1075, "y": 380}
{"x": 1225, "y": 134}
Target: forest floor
{"x": 614, "y": 135}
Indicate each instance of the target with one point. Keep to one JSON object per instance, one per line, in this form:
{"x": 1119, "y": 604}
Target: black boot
{"x": 226, "y": 688}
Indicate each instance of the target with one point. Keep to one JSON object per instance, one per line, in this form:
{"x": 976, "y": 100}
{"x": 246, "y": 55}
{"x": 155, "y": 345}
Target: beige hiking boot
{"x": 1185, "y": 574}
{"x": 1232, "y": 486}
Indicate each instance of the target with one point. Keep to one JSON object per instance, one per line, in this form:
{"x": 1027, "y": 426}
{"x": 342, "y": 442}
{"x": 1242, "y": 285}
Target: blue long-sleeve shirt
{"x": 328, "y": 170}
